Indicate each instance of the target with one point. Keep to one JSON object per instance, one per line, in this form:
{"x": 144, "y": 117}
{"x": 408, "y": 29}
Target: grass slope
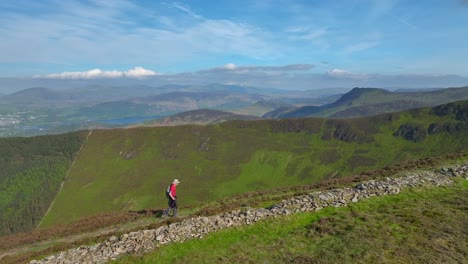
{"x": 416, "y": 226}
{"x": 128, "y": 169}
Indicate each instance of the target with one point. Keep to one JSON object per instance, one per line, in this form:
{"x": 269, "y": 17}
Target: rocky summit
{"x": 144, "y": 241}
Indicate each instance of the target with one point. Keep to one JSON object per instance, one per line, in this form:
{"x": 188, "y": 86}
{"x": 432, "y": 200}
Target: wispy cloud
{"x": 187, "y": 10}
{"x": 305, "y": 33}
{"x": 404, "y": 21}
{"x": 102, "y": 32}
{"x": 283, "y": 68}
{"x": 137, "y": 72}
{"x": 176, "y": 36}
{"x": 292, "y": 77}
{"x": 361, "y": 46}
{"x": 343, "y": 74}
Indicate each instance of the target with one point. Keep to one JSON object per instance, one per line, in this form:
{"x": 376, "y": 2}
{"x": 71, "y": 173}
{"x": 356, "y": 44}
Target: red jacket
{"x": 173, "y": 190}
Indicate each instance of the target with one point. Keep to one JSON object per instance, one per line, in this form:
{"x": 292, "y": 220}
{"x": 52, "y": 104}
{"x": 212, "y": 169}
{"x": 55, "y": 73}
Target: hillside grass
{"x": 128, "y": 169}
{"x": 425, "y": 225}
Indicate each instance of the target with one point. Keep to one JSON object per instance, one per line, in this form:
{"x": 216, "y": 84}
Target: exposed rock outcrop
{"x": 147, "y": 240}
{"x": 411, "y": 132}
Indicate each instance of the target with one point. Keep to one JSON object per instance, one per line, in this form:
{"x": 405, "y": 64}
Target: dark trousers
{"x": 172, "y": 205}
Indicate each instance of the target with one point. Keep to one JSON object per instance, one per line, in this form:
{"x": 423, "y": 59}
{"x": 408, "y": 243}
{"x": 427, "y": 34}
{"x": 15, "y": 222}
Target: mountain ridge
{"x": 371, "y": 101}
{"x": 200, "y": 117}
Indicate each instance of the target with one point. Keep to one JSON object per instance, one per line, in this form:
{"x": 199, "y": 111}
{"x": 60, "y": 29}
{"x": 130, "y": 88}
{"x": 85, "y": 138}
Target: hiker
{"x": 172, "y": 196}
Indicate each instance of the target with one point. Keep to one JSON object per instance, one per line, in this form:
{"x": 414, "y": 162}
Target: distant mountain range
{"x": 94, "y": 94}
{"x": 371, "y": 101}
{"x": 41, "y": 110}
{"x": 40, "y": 96}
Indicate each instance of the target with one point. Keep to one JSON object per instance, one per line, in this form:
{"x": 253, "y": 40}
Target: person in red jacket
{"x": 171, "y": 194}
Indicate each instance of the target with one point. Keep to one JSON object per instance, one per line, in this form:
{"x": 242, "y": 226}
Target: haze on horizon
{"x": 277, "y": 44}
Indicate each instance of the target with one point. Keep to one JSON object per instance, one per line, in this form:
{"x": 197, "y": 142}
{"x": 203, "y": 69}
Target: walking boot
{"x": 165, "y": 213}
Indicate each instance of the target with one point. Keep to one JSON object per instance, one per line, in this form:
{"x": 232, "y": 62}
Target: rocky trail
{"x": 144, "y": 241}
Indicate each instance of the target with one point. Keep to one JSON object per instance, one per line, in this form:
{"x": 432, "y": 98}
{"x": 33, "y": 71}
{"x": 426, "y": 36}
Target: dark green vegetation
{"x": 128, "y": 169}
{"x": 416, "y": 226}
{"x": 372, "y": 101}
{"x": 30, "y": 176}
{"x": 40, "y": 111}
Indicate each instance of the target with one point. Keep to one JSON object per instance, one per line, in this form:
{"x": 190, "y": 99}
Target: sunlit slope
{"x": 128, "y": 169}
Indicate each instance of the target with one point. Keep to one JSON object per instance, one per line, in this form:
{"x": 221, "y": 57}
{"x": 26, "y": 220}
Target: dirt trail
{"x": 71, "y": 239}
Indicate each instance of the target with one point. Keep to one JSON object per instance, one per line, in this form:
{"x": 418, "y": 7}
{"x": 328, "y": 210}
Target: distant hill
{"x": 289, "y": 101}
{"x": 200, "y": 117}
{"x": 372, "y": 101}
{"x": 166, "y": 104}
{"x": 186, "y": 101}
{"x": 36, "y": 96}
{"x": 259, "y": 108}
{"x": 45, "y": 97}
{"x": 415, "y": 90}
{"x": 122, "y": 169}
{"x": 42, "y": 96}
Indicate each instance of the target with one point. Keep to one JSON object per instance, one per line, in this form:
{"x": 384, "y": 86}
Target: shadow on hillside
{"x": 146, "y": 212}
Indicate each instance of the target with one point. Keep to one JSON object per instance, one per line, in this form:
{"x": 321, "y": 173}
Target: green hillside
{"x": 128, "y": 169}
{"x": 30, "y": 176}
{"x": 371, "y": 101}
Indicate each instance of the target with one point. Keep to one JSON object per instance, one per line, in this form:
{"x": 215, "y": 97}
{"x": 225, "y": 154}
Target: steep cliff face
{"x": 411, "y": 132}
{"x": 457, "y": 109}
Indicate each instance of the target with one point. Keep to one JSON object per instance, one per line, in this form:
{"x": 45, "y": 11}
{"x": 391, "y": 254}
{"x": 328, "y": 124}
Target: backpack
{"x": 168, "y": 190}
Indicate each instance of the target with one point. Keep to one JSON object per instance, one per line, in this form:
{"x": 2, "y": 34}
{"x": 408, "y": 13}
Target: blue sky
{"x": 341, "y": 39}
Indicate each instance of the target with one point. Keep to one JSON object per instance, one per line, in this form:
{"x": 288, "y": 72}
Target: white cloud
{"x": 136, "y": 72}
{"x": 343, "y": 74}
{"x": 139, "y": 72}
{"x": 229, "y": 66}
{"x": 338, "y": 72}
{"x": 282, "y": 68}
